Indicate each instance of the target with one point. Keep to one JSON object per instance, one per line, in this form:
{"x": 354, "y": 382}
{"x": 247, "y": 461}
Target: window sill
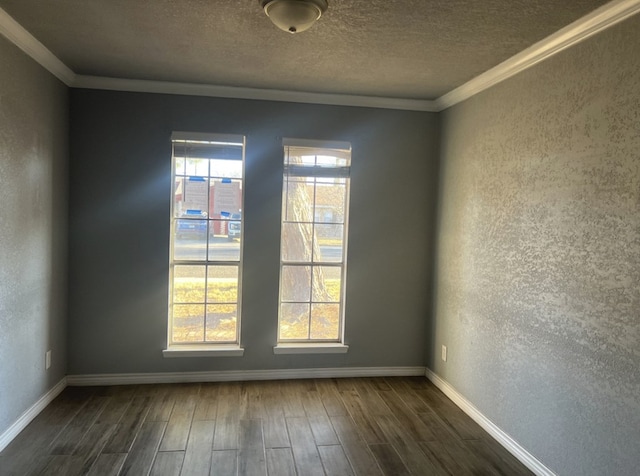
{"x": 311, "y": 348}
{"x": 230, "y": 350}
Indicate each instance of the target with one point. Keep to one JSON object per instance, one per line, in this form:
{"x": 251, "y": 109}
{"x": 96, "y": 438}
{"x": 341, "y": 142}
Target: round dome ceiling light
{"x": 294, "y": 16}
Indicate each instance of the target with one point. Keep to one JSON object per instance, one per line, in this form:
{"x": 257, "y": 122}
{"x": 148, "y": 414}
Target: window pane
{"x": 221, "y": 322}
{"x": 234, "y": 227}
{"x": 197, "y": 167}
{"x": 224, "y": 240}
{"x": 218, "y": 228}
{"x": 314, "y": 219}
{"x": 325, "y": 321}
{"x": 222, "y": 284}
{"x": 179, "y": 164}
{"x": 188, "y": 284}
{"x": 226, "y": 198}
{"x": 296, "y": 242}
{"x": 178, "y": 191}
{"x": 298, "y": 200}
{"x": 188, "y": 323}
{"x": 195, "y": 197}
{"x": 327, "y": 283}
{"x": 206, "y": 226}
{"x": 294, "y": 321}
{"x": 226, "y": 168}
{"x": 190, "y": 240}
{"x": 329, "y": 243}
{"x": 330, "y": 202}
{"x": 296, "y": 283}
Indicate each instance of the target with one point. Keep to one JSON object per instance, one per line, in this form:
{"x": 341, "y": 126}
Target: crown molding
{"x": 587, "y": 26}
{"x": 207, "y": 90}
{"x": 24, "y": 40}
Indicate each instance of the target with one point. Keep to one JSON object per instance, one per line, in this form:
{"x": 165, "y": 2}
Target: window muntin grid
{"x": 313, "y": 243}
{"x": 206, "y": 239}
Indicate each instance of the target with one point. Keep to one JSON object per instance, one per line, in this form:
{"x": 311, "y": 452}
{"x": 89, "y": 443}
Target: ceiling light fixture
{"x": 294, "y": 16}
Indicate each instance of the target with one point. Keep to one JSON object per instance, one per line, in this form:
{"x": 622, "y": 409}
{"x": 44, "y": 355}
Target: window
{"x": 206, "y": 239}
{"x": 313, "y": 241}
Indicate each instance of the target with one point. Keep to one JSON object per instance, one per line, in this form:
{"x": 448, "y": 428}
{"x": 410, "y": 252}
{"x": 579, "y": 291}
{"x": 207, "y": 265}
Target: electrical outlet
{"x": 47, "y": 360}
{"x": 444, "y": 353}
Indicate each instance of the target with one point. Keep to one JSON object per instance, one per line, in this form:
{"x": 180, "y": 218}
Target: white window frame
{"x": 203, "y": 349}
{"x": 304, "y": 346}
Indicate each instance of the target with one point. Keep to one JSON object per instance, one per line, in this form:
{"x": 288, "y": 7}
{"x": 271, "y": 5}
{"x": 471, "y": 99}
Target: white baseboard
{"x": 20, "y": 424}
{"x": 240, "y": 375}
{"x": 498, "y": 434}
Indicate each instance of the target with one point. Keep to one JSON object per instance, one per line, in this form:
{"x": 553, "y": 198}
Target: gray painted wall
{"x": 538, "y": 263}
{"x": 33, "y": 230}
{"x": 119, "y": 228}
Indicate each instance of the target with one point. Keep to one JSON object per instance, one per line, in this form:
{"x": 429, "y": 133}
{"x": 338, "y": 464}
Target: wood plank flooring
{"x": 364, "y": 426}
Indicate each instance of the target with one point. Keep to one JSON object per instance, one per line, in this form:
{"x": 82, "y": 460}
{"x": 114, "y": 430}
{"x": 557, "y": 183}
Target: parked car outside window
{"x": 234, "y": 226}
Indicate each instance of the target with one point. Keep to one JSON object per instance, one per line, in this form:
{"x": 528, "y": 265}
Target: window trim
{"x": 316, "y": 346}
{"x": 204, "y": 349}
{"x": 310, "y": 348}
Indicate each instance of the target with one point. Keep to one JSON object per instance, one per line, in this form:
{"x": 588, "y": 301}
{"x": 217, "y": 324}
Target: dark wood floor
{"x": 365, "y": 426}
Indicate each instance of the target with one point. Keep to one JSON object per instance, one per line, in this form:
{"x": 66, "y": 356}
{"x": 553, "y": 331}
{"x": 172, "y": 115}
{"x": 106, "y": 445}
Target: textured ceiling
{"x": 414, "y": 49}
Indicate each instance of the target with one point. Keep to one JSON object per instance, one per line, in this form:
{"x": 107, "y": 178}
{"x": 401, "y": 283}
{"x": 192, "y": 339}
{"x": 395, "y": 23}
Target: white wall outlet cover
{"x": 444, "y": 353}
{"x": 47, "y": 360}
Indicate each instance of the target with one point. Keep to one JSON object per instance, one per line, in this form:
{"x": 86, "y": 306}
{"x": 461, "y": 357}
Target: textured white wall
{"x": 538, "y": 263}
{"x": 33, "y": 230}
